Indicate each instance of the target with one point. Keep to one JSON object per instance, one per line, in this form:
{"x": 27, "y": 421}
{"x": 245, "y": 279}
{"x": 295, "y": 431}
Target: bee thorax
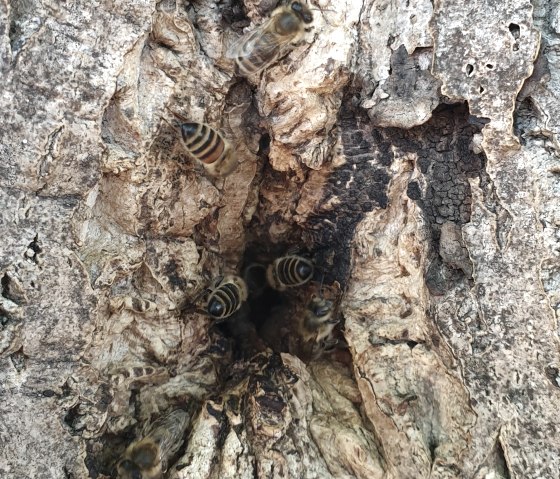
{"x": 287, "y": 24}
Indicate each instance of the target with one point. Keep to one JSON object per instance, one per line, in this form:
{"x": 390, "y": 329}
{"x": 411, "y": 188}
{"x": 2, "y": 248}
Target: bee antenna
{"x": 168, "y": 122}
{"x": 324, "y": 10}
{"x": 321, "y": 284}
{"x": 176, "y": 115}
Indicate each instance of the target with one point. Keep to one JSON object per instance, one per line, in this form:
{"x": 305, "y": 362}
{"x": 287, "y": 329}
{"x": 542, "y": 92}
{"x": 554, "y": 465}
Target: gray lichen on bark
{"x": 412, "y": 148}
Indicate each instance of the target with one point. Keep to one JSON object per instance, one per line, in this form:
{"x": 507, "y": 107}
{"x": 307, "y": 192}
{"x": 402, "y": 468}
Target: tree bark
{"x": 411, "y": 148}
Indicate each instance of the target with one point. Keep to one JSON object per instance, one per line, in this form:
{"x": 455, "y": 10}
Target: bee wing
{"x": 261, "y": 44}
{"x": 168, "y": 432}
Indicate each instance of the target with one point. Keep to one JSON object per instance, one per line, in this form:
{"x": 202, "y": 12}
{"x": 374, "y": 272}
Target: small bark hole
{"x": 5, "y": 283}
{"x": 514, "y": 30}
{"x": 470, "y": 69}
{"x": 264, "y": 145}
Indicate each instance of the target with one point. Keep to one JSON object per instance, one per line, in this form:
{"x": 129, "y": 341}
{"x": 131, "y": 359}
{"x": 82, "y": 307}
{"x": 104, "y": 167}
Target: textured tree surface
{"x": 411, "y": 148}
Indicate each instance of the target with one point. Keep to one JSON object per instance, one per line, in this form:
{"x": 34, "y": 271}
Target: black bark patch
{"x": 444, "y": 157}
{"x": 447, "y": 162}
{"x": 358, "y": 186}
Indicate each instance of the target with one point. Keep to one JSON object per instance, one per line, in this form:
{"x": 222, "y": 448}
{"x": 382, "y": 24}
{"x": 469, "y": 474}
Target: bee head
{"x": 215, "y": 308}
{"x": 302, "y": 12}
{"x": 128, "y": 469}
{"x": 321, "y": 307}
{"x": 145, "y": 456}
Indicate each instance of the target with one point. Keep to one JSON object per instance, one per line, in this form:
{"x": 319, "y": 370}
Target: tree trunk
{"x": 410, "y": 148}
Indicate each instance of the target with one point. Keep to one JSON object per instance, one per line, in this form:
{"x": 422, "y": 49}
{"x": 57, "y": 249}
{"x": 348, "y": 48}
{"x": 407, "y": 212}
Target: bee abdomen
{"x": 290, "y": 271}
{"x": 250, "y": 65}
{"x": 224, "y": 301}
{"x": 203, "y": 142}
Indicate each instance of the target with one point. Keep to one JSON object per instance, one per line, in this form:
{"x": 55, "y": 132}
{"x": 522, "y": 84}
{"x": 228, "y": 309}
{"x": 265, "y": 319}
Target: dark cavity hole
{"x": 481, "y": 89}
{"x": 5, "y": 283}
{"x": 71, "y": 420}
{"x": 262, "y": 298}
{"x": 432, "y": 446}
{"x": 34, "y": 245}
{"x": 242, "y": 328}
{"x": 413, "y": 191}
{"x": 264, "y": 145}
{"x": 514, "y": 30}
{"x": 489, "y": 66}
{"x": 470, "y": 69}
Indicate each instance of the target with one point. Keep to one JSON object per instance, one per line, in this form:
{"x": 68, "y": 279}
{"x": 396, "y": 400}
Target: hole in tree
{"x": 244, "y": 327}
{"x": 432, "y": 446}
{"x": 489, "y": 66}
{"x": 514, "y": 30}
{"x": 481, "y": 89}
{"x": 470, "y": 69}
{"x": 412, "y": 344}
{"x": 264, "y": 145}
{"x": 271, "y": 318}
{"x": 5, "y": 286}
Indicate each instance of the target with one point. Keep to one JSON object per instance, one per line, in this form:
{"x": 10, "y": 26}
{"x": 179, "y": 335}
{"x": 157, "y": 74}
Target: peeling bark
{"x": 410, "y": 149}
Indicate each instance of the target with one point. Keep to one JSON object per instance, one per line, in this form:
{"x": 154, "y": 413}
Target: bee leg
{"x": 200, "y": 295}
{"x": 177, "y": 115}
{"x": 329, "y": 345}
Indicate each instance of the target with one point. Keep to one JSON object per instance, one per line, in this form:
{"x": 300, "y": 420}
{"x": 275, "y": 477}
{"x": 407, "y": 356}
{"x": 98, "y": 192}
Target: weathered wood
{"x": 411, "y": 148}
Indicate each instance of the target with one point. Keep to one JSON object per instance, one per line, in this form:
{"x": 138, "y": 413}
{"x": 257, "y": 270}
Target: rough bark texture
{"x": 412, "y": 148}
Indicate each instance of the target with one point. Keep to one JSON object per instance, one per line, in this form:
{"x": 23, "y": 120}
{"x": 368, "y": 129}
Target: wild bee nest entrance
{"x": 289, "y": 307}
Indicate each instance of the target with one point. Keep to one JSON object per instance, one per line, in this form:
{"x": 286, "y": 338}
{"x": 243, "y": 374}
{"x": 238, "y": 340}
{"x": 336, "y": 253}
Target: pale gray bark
{"x": 412, "y": 146}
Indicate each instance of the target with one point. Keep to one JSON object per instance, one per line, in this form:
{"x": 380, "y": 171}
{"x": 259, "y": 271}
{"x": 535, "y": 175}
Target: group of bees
{"x": 306, "y": 332}
{"x": 148, "y": 458}
{"x": 310, "y": 334}
{"x": 252, "y": 53}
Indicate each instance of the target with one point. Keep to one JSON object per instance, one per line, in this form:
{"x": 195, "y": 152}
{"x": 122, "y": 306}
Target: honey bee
{"x": 289, "y": 271}
{"x": 304, "y": 330}
{"x": 225, "y": 296}
{"x": 273, "y": 39}
{"x": 148, "y": 458}
{"x": 318, "y": 321}
{"x": 208, "y": 147}
{"x": 315, "y": 349}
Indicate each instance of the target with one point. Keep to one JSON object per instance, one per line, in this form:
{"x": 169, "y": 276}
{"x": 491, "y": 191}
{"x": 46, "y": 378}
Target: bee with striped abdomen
{"x": 148, "y": 458}
{"x": 289, "y": 271}
{"x": 225, "y": 296}
{"x": 209, "y": 147}
{"x": 261, "y": 47}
